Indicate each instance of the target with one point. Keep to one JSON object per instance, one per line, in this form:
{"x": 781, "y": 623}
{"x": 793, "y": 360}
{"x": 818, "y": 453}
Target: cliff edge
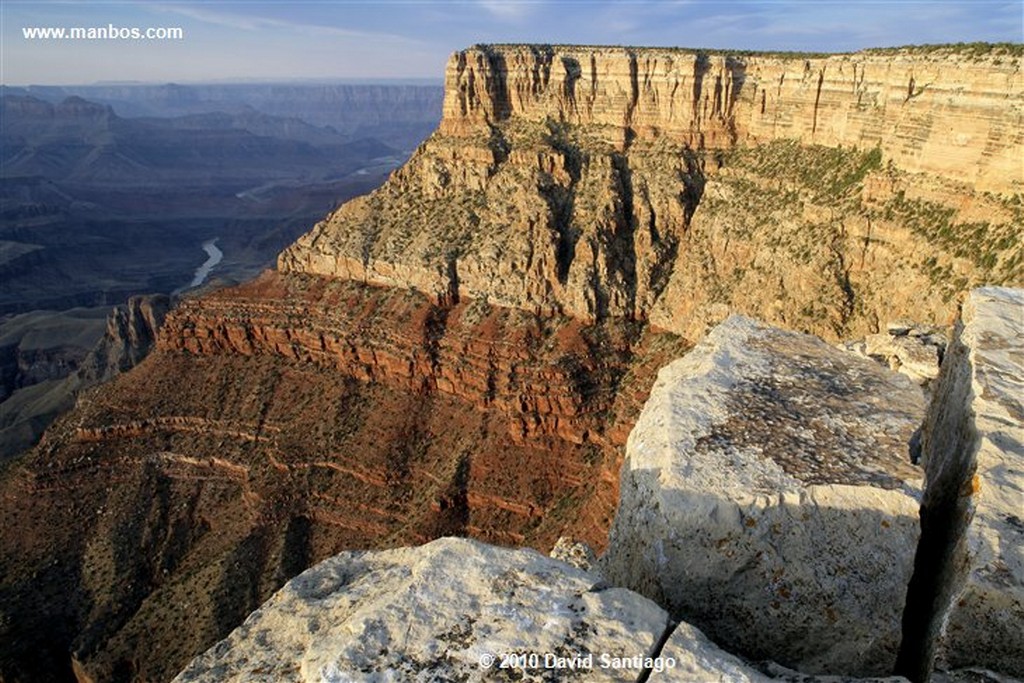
{"x": 822, "y": 194}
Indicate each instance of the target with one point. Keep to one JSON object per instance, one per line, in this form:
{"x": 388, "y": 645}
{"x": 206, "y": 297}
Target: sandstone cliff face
{"x": 937, "y": 112}
{"x": 530, "y": 217}
{"x": 616, "y": 182}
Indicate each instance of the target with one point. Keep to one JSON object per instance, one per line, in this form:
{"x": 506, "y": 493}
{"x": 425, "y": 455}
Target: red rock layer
{"x": 282, "y": 421}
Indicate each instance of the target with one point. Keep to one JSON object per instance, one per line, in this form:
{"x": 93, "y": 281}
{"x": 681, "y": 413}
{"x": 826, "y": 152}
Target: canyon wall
{"x": 281, "y": 422}
{"x": 464, "y": 350}
{"x": 816, "y": 193}
{"x": 942, "y": 112}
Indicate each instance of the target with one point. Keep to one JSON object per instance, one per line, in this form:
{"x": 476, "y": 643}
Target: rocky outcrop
{"x": 47, "y": 359}
{"x": 768, "y": 497}
{"x": 281, "y": 422}
{"x": 407, "y": 614}
{"x": 677, "y": 186}
{"x": 527, "y": 217}
{"x": 404, "y": 614}
{"x": 575, "y": 553}
{"x": 696, "y": 658}
{"x": 913, "y": 350}
{"x": 966, "y": 602}
{"x": 131, "y": 334}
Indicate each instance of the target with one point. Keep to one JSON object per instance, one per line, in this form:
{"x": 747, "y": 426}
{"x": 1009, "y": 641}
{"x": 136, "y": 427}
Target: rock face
{"x": 569, "y": 179}
{"x": 434, "y": 613}
{"x": 768, "y": 497}
{"x": 899, "y": 102}
{"x": 913, "y": 350}
{"x": 131, "y": 334}
{"x": 46, "y": 378}
{"x": 262, "y": 435}
{"x": 508, "y": 295}
{"x": 696, "y": 658}
{"x": 966, "y": 602}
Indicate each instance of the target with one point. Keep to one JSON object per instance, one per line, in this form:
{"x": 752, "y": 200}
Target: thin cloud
{"x": 255, "y": 23}
{"x": 509, "y": 10}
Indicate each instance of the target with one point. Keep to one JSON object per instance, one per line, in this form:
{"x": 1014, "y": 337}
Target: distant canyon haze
{"x": 112, "y": 191}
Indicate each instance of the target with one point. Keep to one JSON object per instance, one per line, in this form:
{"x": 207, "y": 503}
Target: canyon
{"x": 102, "y": 200}
{"x": 465, "y": 350}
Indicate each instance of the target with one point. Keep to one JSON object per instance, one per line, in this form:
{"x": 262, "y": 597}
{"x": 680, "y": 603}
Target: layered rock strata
{"x": 569, "y": 179}
{"x": 281, "y": 422}
{"x": 532, "y": 267}
{"x": 900, "y": 102}
{"x": 768, "y": 497}
{"x": 966, "y": 602}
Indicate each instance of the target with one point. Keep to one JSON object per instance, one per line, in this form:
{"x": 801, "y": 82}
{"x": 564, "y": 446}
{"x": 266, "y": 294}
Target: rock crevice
{"x": 965, "y": 603}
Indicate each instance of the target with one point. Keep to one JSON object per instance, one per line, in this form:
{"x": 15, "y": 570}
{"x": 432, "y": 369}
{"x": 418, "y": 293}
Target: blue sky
{"x": 338, "y": 39}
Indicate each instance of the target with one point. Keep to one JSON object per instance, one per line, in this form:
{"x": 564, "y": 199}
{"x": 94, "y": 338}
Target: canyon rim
{"x": 464, "y": 351}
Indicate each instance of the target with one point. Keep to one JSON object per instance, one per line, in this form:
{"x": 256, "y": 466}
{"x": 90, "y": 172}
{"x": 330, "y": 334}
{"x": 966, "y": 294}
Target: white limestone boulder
{"x": 913, "y": 350}
{"x": 966, "y": 603}
{"x": 768, "y": 498}
{"x": 693, "y": 657}
{"x": 435, "y": 613}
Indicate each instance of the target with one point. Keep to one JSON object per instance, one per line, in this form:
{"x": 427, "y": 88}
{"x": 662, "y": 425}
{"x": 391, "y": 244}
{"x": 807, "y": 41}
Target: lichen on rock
{"x": 768, "y": 497}
{"x": 436, "y": 612}
{"x": 965, "y": 607}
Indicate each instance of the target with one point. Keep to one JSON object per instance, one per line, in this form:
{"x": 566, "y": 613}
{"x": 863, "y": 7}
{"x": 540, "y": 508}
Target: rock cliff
{"x": 966, "y": 602}
{"x": 465, "y": 350}
{"x": 799, "y": 549}
{"x": 286, "y": 420}
{"x": 677, "y": 185}
{"x": 935, "y": 111}
{"x": 46, "y": 359}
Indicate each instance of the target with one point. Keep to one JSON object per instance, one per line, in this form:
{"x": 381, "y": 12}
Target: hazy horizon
{"x": 410, "y": 40}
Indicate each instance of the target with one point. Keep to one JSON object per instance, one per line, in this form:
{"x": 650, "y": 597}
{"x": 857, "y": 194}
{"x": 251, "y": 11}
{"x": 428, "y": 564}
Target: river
{"x": 214, "y": 256}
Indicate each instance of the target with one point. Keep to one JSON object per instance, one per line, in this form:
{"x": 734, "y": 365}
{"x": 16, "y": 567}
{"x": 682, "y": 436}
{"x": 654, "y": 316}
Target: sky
{"x": 230, "y": 40}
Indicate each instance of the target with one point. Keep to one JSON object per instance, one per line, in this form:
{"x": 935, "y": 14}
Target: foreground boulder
{"x": 966, "y": 602}
{"x": 768, "y": 498}
{"x": 444, "y": 611}
{"x": 461, "y": 610}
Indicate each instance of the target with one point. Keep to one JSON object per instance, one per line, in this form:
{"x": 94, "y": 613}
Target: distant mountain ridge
{"x": 84, "y": 141}
{"x": 97, "y": 205}
{"x": 403, "y": 112}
